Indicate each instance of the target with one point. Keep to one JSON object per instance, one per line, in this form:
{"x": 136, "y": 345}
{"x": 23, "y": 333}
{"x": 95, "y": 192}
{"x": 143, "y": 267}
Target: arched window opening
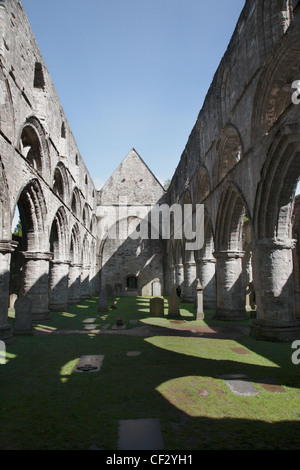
{"x": 32, "y": 147}
{"x": 39, "y": 81}
{"x": 131, "y": 282}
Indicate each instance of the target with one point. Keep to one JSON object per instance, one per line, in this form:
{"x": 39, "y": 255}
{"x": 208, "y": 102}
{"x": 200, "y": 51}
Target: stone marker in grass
{"x": 88, "y": 364}
{"x": 23, "y": 319}
{"x": 173, "y": 309}
{"x": 102, "y": 303}
{"x": 242, "y": 387}
{"x": 156, "y": 307}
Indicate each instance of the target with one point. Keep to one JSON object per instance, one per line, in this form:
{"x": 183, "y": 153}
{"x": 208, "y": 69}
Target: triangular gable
{"x": 132, "y": 180}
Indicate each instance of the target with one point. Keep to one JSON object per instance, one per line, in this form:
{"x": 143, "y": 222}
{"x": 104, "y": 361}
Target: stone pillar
{"x": 189, "y": 281}
{"x": 36, "y": 283}
{"x": 172, "y": 280}
{"x": 59, "y": 274}
{"x": 274, "y": 291}
{"x": 179, "y": 277}
{"x": 85, "y": 282}
{"x": 200, "y": 311}
{"x": 6, "y": 248}
{"x": 206, "y": 272}
{"x": 74, "y": 283}
{"x": 230, "y": 299}
{"x": 92, "y": 282}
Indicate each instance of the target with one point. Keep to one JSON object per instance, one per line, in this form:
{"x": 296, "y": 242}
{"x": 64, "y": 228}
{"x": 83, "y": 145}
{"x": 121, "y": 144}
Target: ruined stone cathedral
{"x": 241, "y": 161}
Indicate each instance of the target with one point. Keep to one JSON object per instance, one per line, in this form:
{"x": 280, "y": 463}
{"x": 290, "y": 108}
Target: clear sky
{"x": 132, "y": 73}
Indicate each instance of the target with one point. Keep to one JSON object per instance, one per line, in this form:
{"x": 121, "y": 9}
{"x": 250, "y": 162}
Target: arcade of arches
{"x": 241, "y": 161}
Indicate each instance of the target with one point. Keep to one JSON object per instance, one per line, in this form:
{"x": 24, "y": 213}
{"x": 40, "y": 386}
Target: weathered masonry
{"x": 241, "y": 161}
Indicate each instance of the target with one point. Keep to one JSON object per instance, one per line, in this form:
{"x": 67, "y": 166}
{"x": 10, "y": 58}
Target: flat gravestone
{"x": 88, "y": 364}
{"x": 89, "y": 320}
{"x": 157, "y": 307}
{"x": 173, "y": 309}
{"x": 23, "y": 318}
{"x": 102, "y": 303}
{"x": 90, "y": 326}
{"x": 140, "y": 434}
{"x": 133, "y": 353}
{"x": 242, "y": 387}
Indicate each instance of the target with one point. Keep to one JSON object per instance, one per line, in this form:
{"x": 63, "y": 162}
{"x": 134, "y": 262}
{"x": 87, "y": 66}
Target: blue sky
{"x": 132, "y": 73}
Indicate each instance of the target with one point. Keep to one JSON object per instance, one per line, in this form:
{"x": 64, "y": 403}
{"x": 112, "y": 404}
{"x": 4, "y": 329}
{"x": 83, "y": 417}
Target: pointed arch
{"x": 34, "y": 147}
{"x": 229, "y": 151}
{"x": 273, "y": 97}
{"x": 276, "y": 191}
{"x": 59, "y": 235}
{"x": 5, "y": 218}
{"x": 33, "y": 214}
{"x": 75, "y": 244}
{"x": 61, "y": 184}
{"x": 76, "y": 202}
{"x": 230, "y": 219}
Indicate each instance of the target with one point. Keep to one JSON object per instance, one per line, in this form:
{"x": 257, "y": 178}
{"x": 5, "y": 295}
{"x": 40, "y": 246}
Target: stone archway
{"x": 59, "y": 266}
{"x": 34, "y": 249}
{"x": 229, "y": 254}
{"x": 7, "y": 247}
{"x": 206, "y": 265}
{"x": 273, "y": 250}
{"x": 75, "y": 265}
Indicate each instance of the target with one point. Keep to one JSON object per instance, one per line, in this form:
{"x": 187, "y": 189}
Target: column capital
{"x": 228, "y": 254}
{"x": 8, "y": 246}
{"x": 37, "y": 255}
{"x": 206, "y": 260}
{"x": 76, "y": 265}
{"x": 275, "y": 243}
{"x": 60, "y": 261}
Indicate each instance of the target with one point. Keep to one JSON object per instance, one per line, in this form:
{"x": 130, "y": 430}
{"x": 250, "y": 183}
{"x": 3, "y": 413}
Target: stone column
{"x": 230, "y": 299}
{"x": 206, "y": 272}
{"x": 85, "y": 282}
{"x": 92, "y": 283}
{"x": 274, "y": 291}
{"x": 59, "y": 274}
{"x": 189, "y": 281}
{"x": 6, "y": 248}
{"x": 74, "y": 283}
{"x": 172, "y": 279}
{"x": 36, "y": 283}
{"x": 179, "y": 277}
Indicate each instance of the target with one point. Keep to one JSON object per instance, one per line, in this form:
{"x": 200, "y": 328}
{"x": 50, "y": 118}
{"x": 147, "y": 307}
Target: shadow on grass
{"x": 59, "y": 409}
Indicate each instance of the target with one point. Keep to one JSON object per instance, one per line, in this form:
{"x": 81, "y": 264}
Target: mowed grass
{"x": 44, "y": 405}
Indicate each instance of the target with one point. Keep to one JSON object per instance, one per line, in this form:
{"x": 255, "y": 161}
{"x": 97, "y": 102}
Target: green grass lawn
{"x": 176, "y": 379}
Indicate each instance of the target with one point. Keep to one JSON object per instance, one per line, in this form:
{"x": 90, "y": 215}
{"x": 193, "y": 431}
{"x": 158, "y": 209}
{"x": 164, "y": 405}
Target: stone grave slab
{"x": 133, "y": 353}
{"x": 105, "y": 326}
{"x": 140, "y": 434}
{"x": 89, "y": 320}
{"x": 157, "y": 307}
{"x": 90, "y": 326}
{"x": 173, "y": 308}
{"x": 23, "y": 318}
{"x": 242, "y": 387}
{"x": 88, "y": 363}
{"x": 134, "y": 322}
{"x": 102, "y": 302}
